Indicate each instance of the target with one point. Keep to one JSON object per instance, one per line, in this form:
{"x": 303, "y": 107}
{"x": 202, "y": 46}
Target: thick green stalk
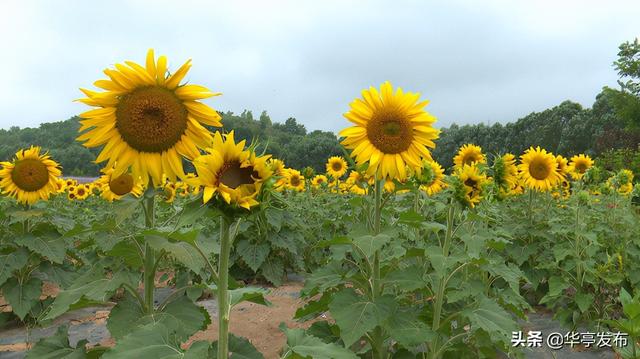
{"x": 437, "y": 309}
{"x": 223, "y": 284}
{"x": 149, "y": 256}
{"x": 377, "y": 337}
{"x": 578, "y": 246}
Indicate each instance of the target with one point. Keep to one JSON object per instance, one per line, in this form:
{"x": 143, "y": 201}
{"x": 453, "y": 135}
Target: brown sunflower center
{"x": 539, "y": 169}
{"x": 581, "y": 167}
{"x": 30, "y": 174}
{"x": 295, "y": 181}
{"x": 469, "y": 158}
{"x": 319, "y": 180}
{"x": 151, "y": 119}
{"x": 80, "y": 192}
{"x": 389, "y": 131}
{"x": 336, "y": 166}
{"x": 121, "y": 185}
{"x": 470, "y": 182}
{"x": 233, "y": 176}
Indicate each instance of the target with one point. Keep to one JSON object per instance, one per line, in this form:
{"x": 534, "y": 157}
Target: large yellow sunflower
{"x": 539, "y": 169}
{"x": 147, "y": 120}
{"x": 392, "y": 130}
{"x": 230, "y": 171}
{"x": 468, "y": 155}
{"x": 431, "y": 177}
{"x": 30, "y": 176}
{"x": 113, "y": 188}
{"x": 579, "y": 165}
{"x": 336, "y": 166}
{"x": 295, "y": 180}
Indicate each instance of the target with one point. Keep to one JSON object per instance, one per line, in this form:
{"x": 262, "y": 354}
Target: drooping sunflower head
{"x": 392, "y": 130}
{"x": 30, "y": 177}
{"x": 318, "y": 181}
{"x": 579, "y": 165}
{"x": 468, "y": 183}
{"x": 336, "y": 166}
{"x": 539, "y": 169}
{"x": 430, "y": 177}
{"x": 505, "y": 175}
{"x": 232, "y": 172}
{"x": 469, "y": 154}
{"x": 295, "y": 180}
{"x": 113, "y": 188}
{"x": 146, "y": 120}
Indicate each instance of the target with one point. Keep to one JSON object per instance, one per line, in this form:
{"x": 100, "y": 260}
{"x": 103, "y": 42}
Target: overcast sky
{"x": 309, "y": 59}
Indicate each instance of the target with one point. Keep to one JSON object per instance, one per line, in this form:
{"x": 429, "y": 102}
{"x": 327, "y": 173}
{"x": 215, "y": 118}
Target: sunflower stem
{"x": 377, "y": 338}
{"x": 223, "y": 284}
{"x": 437, "y": 309}
{"x": 149, "y": 255}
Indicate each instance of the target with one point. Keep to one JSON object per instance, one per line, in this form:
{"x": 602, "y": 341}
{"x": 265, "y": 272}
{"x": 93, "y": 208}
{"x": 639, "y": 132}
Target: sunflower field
{"x": 400, "y": 257}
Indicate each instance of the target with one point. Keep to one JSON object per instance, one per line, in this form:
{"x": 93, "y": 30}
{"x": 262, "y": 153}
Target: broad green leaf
{"x": 153, "y": 340}
{"x": 274, "y": 218}
{"x": 356, "y": 315}
{"x": 239, "y": 348}
{"x": 370, "y": 244}
{"x": 313, "y": 308}
{"x": 10, "y": 262}
{"x": 556, "y": 286}
{"x": 307, "y": 346}
{"x": 326, "y": 277}
{"x": 406, "y": 328}
{"x": 128, "y": 251}
{"x": 584, "y": 301}
{"x": 57, "y": 347}
{"x": 254, "y": 254}
{"x": 93, "y": 286}
{"x": 48, "y": 245}
{"x": 124, "y": 316}
{"x": 493, "y": 319}
{"x": 406, "y": 279}
{"x": 250, "y": 294}
{"x": 181, "y": 251}
{"x": 273, "y": 270}
{"x": 22, "y": 296}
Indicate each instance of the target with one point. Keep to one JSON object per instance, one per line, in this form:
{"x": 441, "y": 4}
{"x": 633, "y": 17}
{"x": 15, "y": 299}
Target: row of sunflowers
{"x": 438, "y": 276}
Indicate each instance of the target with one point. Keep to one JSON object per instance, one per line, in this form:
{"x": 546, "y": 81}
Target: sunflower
{"x": 81, "y": 193}
{"x": 357, "y": 183}
{"x": 231, "y": 172}
{"x": 114, "y": 188}
{"x": 280, "y": 172}
{"x": 336, "y": 167}
{"x": 169, "y": 192}
{"x": 70, "y": 182}
{"x": 468, "y": 155}
{"x": 61, "y": 184}
{"x": 319, "y": 181}
{"x": 505, "y": 174}
{"x": 391, "y": 130}
{"x": 430, "y": 177}
{"x": 579, "y": 165}
{"x": 146, "y": 120}
{"x": 539, "y": 170}
{"x": 30, "y": 176}
{"x": 563, "y": 166}
{"x": 472, "y": 180}
{"x": 295, "y": 180}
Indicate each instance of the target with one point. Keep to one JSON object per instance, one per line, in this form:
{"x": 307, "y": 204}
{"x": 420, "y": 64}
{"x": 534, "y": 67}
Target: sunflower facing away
{"x": 113, "y": 188}
{"x": 336, "y": 166}
{"x": 392, "y": 130}
{"x": 30, "y": 176}
{"x": 472, "y": 180}
{"x": 579, "y": 165}
{"x": 468, "y": 155}
{"x": 231, "y": 172}
{"x": 539, "y": 169}
{"x": 431, "y": 177}
{"x": 147, "y": 120}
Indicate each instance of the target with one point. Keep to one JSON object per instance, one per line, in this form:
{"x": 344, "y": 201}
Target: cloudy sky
{"x": 309, "y": 59}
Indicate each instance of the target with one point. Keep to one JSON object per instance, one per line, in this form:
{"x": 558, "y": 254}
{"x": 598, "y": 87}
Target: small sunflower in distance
{"x": 336, "y": 167}
{"x": 579, "y": 165}
{"x": 295, "y": 180}
{"x": 392, "y": 130}
{"x": 319, "y": 180}
{"x": 232, "y": 172}
{"x": 30, "y": 177}
{"x": 113, "y": 188}
{"x": 146, "y": 120}
{"x": 472, "y": 180}
{"x": 430, "y": 177}
{"x": 468, "y": 155}
{"x": 563, "y": 166}
{"x": 539, "y": 169}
